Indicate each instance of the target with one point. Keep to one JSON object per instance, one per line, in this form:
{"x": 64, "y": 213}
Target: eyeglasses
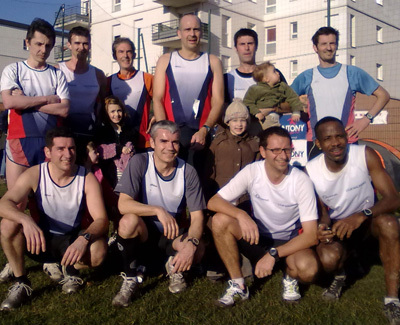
{"x": 278, "y": 151}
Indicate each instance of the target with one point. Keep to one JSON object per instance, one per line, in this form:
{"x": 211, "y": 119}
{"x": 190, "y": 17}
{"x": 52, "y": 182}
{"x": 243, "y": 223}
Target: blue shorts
{"x": 26, "y": 152}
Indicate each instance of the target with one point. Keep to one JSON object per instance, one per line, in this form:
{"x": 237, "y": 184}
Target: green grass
{"x": 361, "y": 303}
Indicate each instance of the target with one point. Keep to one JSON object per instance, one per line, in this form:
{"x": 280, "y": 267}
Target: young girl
{"x": 115, "y": 140}
{"x": 90, "y": 162}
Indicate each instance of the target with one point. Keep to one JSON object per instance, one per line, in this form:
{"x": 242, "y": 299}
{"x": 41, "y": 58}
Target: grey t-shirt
{"x": 143, "y": 183}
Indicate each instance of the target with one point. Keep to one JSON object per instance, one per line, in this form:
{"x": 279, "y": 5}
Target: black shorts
{"x": 56, "y": 246}
{"x": 358, "y": 236}
{"x": 255, "y": 252}
{"x": 157, "y": 241}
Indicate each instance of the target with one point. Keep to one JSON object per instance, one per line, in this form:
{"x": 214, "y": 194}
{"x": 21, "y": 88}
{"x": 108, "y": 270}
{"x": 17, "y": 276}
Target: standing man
{"x": 62, "y": 190}
{"x": 342, "y": 177}
{"x": 331, "y": 88}
{"x": 237, "y": 81}
{"x": 36, "y": 95}
{"x": 86, "y": 85}
{"x": 154, "y": 191}
{"x": 188, "y": 88}
{"x": 133, "y": 87}
{"x": 283, "y": 202}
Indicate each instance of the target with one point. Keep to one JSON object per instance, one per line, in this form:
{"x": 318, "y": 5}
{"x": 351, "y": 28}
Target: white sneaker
{"x": 291, "y": 290}
{"x": 177, "y": 282}
{"x": 18, "y": 294}
{"x": 7, "y": 274}
{"x": 53, "y": 270}
{"x": 232, "y": 294}
{"x": 129, "y": 287}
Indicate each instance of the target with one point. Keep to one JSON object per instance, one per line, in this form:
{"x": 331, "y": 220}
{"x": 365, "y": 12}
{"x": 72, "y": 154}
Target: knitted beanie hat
{"x": 236, "y": 110}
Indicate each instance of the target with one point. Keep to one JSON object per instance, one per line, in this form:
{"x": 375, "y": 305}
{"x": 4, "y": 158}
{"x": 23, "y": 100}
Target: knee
{"x": 330, "y": 259}
{"x": 387, "y": 227}
{"x": 98, "y": 251}
{"x": 9, "y": 229}
{"x": 128, "y": 225}
{"x": 307, "y": 270}
{"x": 219, "y": 223}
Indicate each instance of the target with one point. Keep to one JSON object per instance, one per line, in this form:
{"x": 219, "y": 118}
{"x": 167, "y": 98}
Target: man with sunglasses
{"x": 283, "y": 224}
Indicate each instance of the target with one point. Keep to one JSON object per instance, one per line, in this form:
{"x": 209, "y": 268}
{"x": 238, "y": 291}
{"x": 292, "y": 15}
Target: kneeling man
{"x": 284, "y": 224}
{"x": 154, "y": 190}
{"x": 342, "y": 178}
{"x": 61, "y": 189}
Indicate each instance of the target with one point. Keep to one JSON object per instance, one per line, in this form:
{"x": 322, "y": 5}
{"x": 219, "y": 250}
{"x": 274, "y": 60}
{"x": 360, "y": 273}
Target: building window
{"x": 379, "y": 72}
{"x": 116, "y": 32}
{"x": 226, "y": 31}
{"x": 271, "y": 41}
{"x": 226, "y": 63}
{"x": 293, "y": 30}
{"x": 138, "y": 2}
{"x": 379, "y": 34}
{"x": 379, "y": 2}
{"x": 271, "y": 6}
{"x": 352, "y": 31}
{"x": 24, "y": 45}
{"x": 293, "y": 69}
{"x": 116, "y": 5}
{"x": 352, "y": 60}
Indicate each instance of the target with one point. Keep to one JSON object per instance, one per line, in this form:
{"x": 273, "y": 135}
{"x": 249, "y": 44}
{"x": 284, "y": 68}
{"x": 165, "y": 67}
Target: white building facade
{"x": 369, "y": 32}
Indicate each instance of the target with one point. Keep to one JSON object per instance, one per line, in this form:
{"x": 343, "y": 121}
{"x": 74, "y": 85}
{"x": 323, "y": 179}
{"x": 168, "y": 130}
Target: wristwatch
{"x": 368, "y": 212}
{"x": 274, "y": 253}
{"x": 87, "y": 236}
{"x": 194, "y": 241}
{"x": 207, "y": 128}
{"x": 370, "y": 117}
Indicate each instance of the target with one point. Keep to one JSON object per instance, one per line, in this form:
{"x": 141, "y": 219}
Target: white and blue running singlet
{"x": 60, "y": 207}
{"x": 165, "y": 192}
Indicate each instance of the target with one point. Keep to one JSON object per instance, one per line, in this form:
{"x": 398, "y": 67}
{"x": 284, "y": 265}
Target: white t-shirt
{"x": 279, "y": 209}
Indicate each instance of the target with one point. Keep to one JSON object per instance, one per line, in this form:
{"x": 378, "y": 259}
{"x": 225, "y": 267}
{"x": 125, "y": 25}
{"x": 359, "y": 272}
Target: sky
{"x": 24, "y": 11}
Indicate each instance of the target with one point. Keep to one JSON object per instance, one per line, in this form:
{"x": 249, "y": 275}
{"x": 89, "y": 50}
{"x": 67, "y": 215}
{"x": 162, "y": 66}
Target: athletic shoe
{"x": 70, "y": 283}
{"x": 128, "y": 289}
{"x": 7, "y": 274}
{"x": 232, "y": 295}
{"x": 53, "y": 270}
{"x": 18, "y": 294}
{"x": 335, "y": 290}
{"x": 291, "y": 290}
{"x": 112, "y": 239}
{"x": 176, "y": 280}
{"x": 392, "y": 312}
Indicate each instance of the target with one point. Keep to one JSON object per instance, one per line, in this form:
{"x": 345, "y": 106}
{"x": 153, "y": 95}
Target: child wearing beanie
{"x": 231, "y": 149}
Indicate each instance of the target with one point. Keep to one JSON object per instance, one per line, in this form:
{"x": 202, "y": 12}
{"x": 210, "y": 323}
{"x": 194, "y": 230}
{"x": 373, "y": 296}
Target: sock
{"x": 341, "y": 274}
{"x": 239, "y": 282}
{"x": 129, "y": 249}
{"x": 70, "y": 270}
{"x": 388, "y": 300}
{"x": 23, "y": 279}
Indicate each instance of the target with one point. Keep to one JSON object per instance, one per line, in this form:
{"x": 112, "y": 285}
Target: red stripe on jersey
{"x": 167, "y": 101}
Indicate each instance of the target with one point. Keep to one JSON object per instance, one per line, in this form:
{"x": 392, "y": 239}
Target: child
{"x": 91, "y": 164}
{"x": 115, "y": 140}
{"x": 263, "y": 99}
{"x": 231, "y": 150}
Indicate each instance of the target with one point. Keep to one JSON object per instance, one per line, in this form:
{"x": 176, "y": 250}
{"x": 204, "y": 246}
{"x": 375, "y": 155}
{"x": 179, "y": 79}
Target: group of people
{"x": 156, "y": 169}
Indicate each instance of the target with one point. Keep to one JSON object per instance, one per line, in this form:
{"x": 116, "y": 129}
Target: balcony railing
{"x": 167, "y": 30}
{"x": 178, "y": 3}
{"x": 58, "y": 53}
{"x": 73, "y": 16}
